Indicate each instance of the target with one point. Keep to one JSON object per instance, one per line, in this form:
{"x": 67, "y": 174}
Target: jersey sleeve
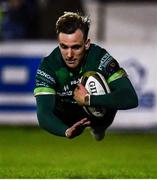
{"x": 122, "y": 95}
{"x": 45, "y": 79}
{"x": 46, "y": 118}
{"x": 110, "y": 68}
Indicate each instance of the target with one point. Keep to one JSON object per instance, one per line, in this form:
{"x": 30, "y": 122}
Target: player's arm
{"x": 122, "y": 96}
{"x": 44, "y": 93}
{"x": 46, "y": 117}
{"x": 51, "y": 123}
{"x": 46, "y": 101}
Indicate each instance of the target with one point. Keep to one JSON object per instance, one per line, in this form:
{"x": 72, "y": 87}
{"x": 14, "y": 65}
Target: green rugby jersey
{"x": 54, "y": 77}
{"x": 55, "y": 82}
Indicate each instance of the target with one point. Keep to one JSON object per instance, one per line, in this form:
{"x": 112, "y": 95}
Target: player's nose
{"x": 69, "y": 53}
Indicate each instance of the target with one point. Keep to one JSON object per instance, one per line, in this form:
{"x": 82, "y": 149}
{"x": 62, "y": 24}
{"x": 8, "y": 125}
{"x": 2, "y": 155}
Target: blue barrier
{"x": 30, "y": 64}
{"x": 8, "y": 87}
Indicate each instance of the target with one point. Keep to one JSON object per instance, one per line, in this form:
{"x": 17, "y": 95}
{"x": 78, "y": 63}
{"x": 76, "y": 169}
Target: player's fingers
{"x": 75, "y": 91}
{"x": 83, "y": 120}
{"x": 87, "y": 123}
{"x": 79, "y": 85}
{"x": 77, "y": 124}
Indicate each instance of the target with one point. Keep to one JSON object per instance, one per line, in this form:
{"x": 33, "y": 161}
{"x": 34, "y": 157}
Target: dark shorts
{"x": 71, "y": 113}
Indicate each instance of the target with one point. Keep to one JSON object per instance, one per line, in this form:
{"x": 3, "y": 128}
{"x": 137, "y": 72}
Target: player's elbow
{"x": 134, "y": 103}
{"x": 128, "y": 99}
{"x": 40, "y": 117}
{"x": 132, "y": 100}
{"x": 41, "y": 124}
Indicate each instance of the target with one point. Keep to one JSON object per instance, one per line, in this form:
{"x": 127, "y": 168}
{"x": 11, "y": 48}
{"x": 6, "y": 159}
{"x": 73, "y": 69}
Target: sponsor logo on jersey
{"x": 104, "y": 61}
{"x": 67, "y": 93}
{"x": 74, "y": 82}
{"x": 47, "y": 76}
{"x": 66, "y": 88}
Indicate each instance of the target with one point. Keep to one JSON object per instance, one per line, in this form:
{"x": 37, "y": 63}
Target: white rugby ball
{"x": 95, "y": 84}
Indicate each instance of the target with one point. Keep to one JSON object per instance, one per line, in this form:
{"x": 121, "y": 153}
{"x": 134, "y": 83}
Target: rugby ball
{"x": 95, "y": 84}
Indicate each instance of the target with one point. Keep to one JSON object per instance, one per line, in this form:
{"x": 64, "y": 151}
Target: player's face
{"x": 73, "y": 47}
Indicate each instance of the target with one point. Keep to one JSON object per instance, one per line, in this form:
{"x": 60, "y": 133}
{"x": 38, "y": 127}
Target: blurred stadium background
{"x": 127, "y": 29}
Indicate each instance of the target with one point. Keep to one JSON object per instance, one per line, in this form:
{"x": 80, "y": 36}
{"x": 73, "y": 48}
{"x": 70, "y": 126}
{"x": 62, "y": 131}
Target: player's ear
{"x": 87, "y": 44}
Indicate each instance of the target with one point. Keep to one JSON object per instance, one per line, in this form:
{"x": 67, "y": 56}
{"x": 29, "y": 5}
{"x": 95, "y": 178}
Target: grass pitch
{"x": 33, "y": 153}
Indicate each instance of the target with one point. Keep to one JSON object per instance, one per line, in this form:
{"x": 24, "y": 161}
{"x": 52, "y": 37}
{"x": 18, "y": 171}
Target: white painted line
{"x": 18, "y": 99}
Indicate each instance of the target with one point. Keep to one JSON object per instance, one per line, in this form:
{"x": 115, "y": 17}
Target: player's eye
{"x": 76, "y": 47}
{"x": 63, "y": 46}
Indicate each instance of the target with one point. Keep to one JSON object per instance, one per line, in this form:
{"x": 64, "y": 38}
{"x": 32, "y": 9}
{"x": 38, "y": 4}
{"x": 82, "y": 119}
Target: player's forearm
{"x": 47, "y": 120}
{"x": 123, "y": 96}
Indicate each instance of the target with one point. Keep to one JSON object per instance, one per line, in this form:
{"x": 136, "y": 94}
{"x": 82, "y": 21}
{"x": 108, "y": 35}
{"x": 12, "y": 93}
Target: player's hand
{"x": 77, "y": 128}
{"x": 79, "y": 94}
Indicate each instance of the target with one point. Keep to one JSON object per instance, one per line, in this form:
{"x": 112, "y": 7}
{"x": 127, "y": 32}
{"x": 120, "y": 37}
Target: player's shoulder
{"x": 55, "y": 53}
{"x": 97, "y": 56}
{"x": 97, "y": 52}
{"x": 94, "y": 54}
{"x": 53, "y": 56}
{"x": 96, "y": 49}
{"x": 105, "y": 62}
{"x": 53, "y": 60}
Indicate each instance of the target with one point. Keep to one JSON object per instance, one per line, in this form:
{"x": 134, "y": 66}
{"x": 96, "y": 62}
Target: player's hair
{"x": 69, "y": 22}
